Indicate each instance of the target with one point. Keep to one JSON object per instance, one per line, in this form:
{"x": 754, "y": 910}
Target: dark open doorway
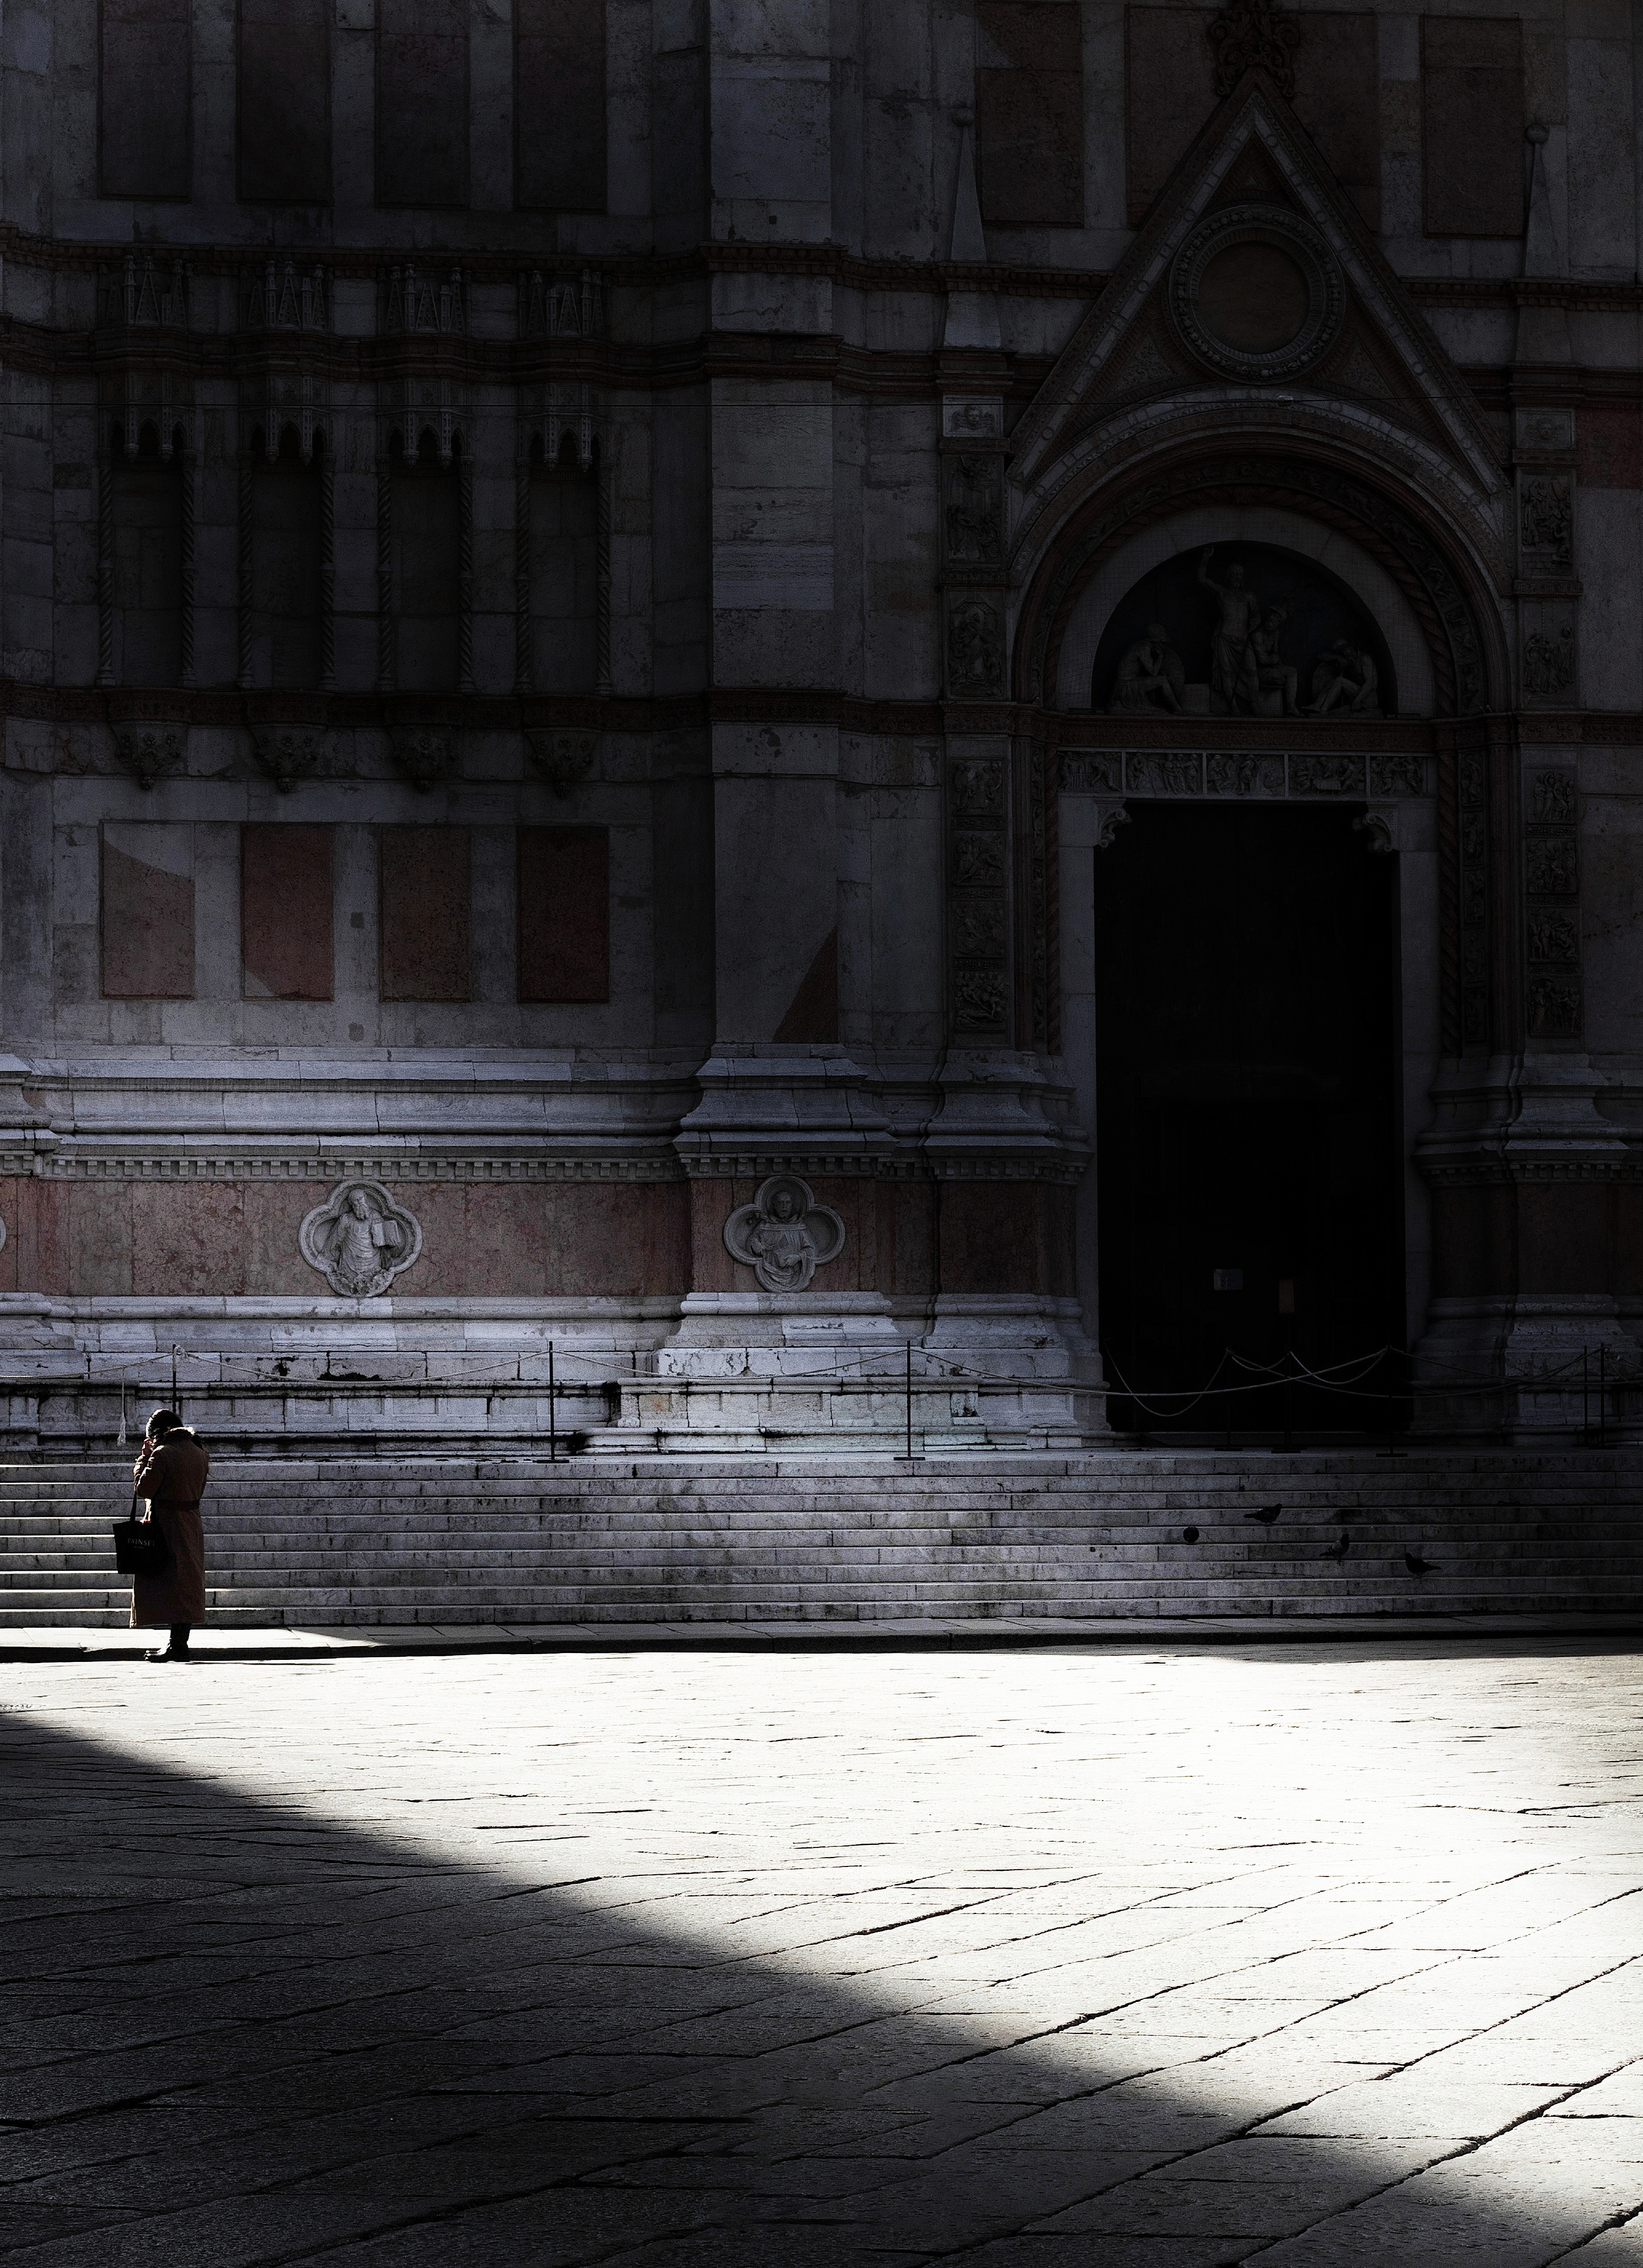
{"x": 1249, "y": 1164}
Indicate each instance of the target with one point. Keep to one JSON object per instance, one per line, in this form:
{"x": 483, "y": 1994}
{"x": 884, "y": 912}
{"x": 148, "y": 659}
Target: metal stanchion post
{"x": 552, "y": 1411}
{"x": 910, "y": 1401}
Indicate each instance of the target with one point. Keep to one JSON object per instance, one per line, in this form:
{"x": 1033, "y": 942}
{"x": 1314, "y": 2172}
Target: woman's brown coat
{"x": 171, "y": 1473}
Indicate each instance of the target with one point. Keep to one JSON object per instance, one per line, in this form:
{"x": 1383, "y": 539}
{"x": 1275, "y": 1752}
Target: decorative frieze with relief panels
{"x": 1547, "y": 589}
{"x": 1472, "y": 777}
{"x": 974, "y": 617}
{"x": 978, "y": 891}
{"x": 1551, "y": 878}
{"x": 972, "y": 528}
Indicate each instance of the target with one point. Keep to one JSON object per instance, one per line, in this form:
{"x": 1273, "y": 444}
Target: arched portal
{"x": 1251, "y": 873}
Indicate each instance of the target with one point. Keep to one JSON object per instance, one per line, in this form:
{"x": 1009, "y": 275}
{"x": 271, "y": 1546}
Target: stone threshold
{"x": 83, "y": 1642}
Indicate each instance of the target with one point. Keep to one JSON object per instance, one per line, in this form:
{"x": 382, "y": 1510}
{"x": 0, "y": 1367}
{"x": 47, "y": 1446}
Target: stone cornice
{"x": 185, "y": 1168}
{"x": 626, "y": 367}
{"x": 224, "y": 708}
{"x": 852, "y": 270}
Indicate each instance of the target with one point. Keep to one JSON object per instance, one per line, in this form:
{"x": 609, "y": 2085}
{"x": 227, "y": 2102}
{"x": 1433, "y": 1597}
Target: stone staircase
{"x": 600, "y": 1540}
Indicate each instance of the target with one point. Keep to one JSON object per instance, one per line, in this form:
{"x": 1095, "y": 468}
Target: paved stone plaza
{"x": 1126, "y": 1956}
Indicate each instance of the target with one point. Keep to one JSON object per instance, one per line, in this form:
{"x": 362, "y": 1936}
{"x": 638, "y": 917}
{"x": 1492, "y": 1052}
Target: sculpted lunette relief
{"x": 1250, "y": 674}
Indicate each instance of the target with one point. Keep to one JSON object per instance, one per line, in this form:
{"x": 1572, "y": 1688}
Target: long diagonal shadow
{"x": 1108, "y": 1959}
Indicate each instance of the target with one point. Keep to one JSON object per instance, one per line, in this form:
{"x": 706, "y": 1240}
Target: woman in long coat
{"x": 171, "y": 1473}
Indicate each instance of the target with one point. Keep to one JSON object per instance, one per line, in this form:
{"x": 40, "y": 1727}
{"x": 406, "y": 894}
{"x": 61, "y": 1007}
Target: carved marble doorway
{"x": 1247, "y": 989}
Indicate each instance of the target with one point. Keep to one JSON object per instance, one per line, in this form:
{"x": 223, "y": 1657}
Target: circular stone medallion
{"x": 1256, "y": 294}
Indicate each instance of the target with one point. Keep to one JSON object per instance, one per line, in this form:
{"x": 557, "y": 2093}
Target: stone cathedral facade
{"x": 739, "y": 689}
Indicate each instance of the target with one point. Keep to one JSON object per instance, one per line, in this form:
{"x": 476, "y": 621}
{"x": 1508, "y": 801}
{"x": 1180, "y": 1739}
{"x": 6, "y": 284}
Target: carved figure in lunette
{"x": 1232, "y": 669}
{"x": 1151, "y": 675}
{"x": 1274, "y": 678}
{"x": 1345, "y": 679}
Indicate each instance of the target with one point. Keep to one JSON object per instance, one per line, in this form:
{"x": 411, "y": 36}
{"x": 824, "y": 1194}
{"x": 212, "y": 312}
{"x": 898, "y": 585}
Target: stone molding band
{"x": 643, "y": 271}
{"x": 213, "y": 708}
{"x": 749, "y": 1166}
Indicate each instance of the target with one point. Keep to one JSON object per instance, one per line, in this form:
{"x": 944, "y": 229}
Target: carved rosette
{"x": 785, "y": 1236}
{"x": 422, "y": 752}
{"x": 151, "y": 751}
{"x": 359, "y": 1240}
{"x": 287, "y": 753}
{"x": 564, "y": 758}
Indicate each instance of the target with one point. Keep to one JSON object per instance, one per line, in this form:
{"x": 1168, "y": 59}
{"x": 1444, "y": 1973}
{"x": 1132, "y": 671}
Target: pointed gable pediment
{"x": 1254, "y": 273}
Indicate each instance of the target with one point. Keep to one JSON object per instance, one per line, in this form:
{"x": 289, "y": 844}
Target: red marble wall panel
{"x": 426, "y": 913}
{"x": 1338, "y": 100}
{"x": 482, "y": 1239}
{"x": 1472, "y": 150}
{"x": 1566, "y": 1237}
{"x": 163, "y": 1239}
{"x": 559, "y": 105}
{"x": 563, "y": 913}
{"x": 1169, "y": 79}
{"x": 1029, "y": 113}
{"x": 995, "y": 1236}
{"x": 12, "y": 1198}
{"x": 1170, "y": 93}
{"x": 911, "y": 1267}
{"x": 1609, "y": 441}
{"x": 1473, "y": 1241}
{"x": 284, "y": 113}
{"x": 39, "y": 1227}
{"x": 145, "y": 70}
{"x": 148, "y": 913}
{"x": 99, "y": 1239}
{"x": 272, "y": 1213}
{"x": 422, "y": 102}
{"x": 194, "y": 1245}
{"x": 285, "y": 912}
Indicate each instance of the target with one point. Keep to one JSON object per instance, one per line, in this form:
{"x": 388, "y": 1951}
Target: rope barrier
{"x": 1164, "y": 1406}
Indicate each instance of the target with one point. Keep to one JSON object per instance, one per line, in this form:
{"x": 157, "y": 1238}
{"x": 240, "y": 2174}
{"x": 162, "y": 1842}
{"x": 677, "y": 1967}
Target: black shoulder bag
{"x": 139, "y": 1547}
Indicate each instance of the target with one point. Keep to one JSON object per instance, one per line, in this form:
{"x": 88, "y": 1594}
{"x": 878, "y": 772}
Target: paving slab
{"x": 1130, "y": 1955}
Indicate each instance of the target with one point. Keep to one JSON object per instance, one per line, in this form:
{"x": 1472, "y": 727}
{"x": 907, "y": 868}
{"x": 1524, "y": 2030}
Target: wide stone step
{"x": 481, "y": 1540}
